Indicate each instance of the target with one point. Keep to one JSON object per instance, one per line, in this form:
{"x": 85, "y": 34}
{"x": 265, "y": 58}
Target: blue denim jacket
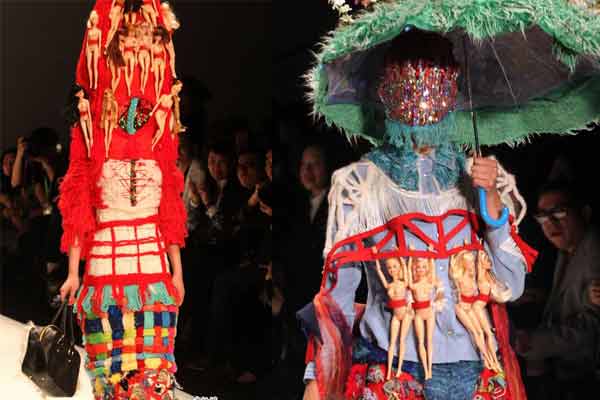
{"x": 451, "y": 340}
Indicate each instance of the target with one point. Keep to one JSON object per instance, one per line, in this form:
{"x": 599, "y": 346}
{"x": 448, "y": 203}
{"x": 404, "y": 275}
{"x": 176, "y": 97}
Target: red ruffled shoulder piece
{"x": 171, "y": 213}
{"x": 76, "y": 196}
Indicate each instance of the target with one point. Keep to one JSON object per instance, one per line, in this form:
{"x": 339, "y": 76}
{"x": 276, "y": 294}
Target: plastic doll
{"x": 402, "y": 315}
{"x": 130, "y": 50}
{"x": 115, "y": 16}
{"x": 162, "y": 111}
{"x": 169, "y": 17}
{"x": 132, "y": 7}
{"x": 172, "y": 24}
{"x": 115, "y": 62}
{"x": 144, "y": 57}
{"x": 149, "y": 12}
{"x": 110, "y": 114}
{"x": 422, "y": 281}
{"x": 485, "y": 282}
{"x": 462, "y": 272}
{"x": 92, "y": 48}
{"x": 161, "y": 37}
{"x": 85, "y": 120}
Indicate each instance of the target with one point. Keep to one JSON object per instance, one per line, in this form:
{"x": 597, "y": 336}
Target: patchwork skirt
{"x": 129, "y": 354}
{"x": 127, "y": 310}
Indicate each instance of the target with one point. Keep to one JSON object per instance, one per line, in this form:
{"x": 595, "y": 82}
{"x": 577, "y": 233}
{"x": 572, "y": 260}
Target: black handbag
{"x": 52, "y": 361}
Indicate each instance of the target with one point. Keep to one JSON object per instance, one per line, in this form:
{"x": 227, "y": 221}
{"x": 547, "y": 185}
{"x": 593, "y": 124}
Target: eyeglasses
{"x": 554, "y": 214}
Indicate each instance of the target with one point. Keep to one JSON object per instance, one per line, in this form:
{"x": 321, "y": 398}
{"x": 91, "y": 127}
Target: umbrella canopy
{"x": 533, "y": 66}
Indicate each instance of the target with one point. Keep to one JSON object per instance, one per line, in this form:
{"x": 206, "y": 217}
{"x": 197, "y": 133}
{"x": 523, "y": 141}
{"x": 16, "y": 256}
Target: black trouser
{"x": 201, "y": 263}
{"x": 234, "y": 312}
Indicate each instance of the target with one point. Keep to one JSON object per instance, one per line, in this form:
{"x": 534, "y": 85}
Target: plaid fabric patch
{"x": 124, "y": 340}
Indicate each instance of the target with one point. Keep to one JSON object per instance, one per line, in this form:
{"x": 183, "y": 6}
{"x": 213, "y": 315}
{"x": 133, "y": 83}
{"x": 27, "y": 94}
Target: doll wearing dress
{"x": 163, "y": 111}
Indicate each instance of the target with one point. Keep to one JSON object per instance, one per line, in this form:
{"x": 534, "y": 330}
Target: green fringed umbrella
{"x": 533, "y": 66}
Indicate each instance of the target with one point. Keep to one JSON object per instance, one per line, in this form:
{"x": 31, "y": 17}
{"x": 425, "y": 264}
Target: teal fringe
{"x": 398, "y": 160}
{"x": 398, "y": 134}
{"x": 156, "y": 293}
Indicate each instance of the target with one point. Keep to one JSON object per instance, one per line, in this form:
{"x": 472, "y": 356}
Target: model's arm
{"x": 508, "y": 263}
{"x": 71, "y": 284}
{"x": 75, "y": 199}
{"x": 75, "y": 205}
{"x": 176, "y": 270}
{"x": 171, "y": 211}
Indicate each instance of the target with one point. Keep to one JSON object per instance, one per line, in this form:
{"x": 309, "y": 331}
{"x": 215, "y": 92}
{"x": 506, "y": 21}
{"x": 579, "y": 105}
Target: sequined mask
{"x": 418, "y": 92}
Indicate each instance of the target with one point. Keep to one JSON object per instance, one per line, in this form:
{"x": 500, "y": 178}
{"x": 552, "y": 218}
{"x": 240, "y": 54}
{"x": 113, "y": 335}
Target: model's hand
{"x": 311, "y": 391}
{"x": 178, "y": 283}
{"x": 484, "y": 174}
{"x": 69, "y": 288}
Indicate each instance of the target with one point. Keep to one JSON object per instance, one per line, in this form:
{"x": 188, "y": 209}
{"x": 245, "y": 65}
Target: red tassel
{"x": 334, "y": 354}
{"x": 515, "y": 388}
{"x": 310, "y": 350}
{"x": 82, "y": 294}
{"x": 97, "y": 301}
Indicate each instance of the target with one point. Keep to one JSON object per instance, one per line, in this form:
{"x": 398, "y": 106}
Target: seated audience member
{"x": 566, "y": 341}
{"x": 194, "y": 175}
{"x": 235, "y": 297}
{"x": 253, "y": 222}
{"x": 221, "y": 200}
{"x": 309, "y": 228}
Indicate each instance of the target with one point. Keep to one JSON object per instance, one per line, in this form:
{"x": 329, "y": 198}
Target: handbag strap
{"x": 58, "y": 313}
{"x": 71, "y": 333}
{"x": 67, "y": 329}
{"x": 53, "y": 322}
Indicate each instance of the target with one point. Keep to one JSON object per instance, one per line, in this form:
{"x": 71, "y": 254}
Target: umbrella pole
{"x": 470, "y": 92}
{"x": 496, "y": 223}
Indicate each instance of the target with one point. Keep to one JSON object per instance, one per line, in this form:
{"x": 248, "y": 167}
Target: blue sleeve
{"x": 508, "y": 263}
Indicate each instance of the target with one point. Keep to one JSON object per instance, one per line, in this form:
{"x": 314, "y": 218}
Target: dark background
{"x": 225, "y": 44}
